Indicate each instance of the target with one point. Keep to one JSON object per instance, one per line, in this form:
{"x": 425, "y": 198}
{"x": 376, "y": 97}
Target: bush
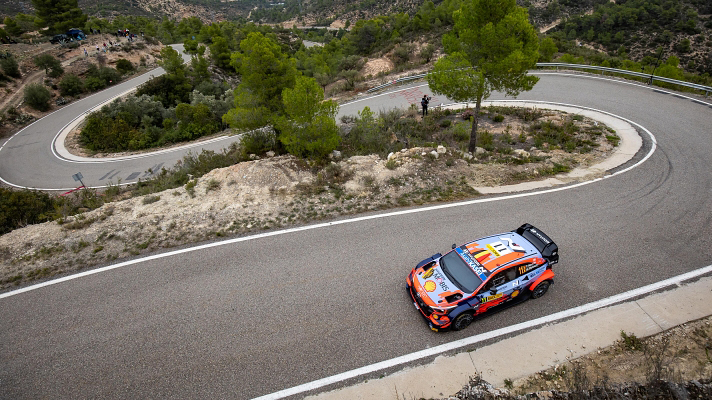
{"x": 124, "y": 66}
{"x": 71, "y": 85}
{"x": 37, "y": 96}
{"x": 9, "y": 67}
{"x": 20, "y": 208}
{"x": 258, "y": 142}
{"x": 93, "y": 84}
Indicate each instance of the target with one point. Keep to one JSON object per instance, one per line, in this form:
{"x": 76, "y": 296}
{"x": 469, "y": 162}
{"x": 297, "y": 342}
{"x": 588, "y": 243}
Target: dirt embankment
{"x": 271, "y": 193}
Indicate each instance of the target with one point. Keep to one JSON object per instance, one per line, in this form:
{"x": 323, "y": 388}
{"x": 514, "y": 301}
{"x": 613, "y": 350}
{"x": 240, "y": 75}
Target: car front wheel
{"x": 540, "y": 289}
{"x": 462, "y": 321}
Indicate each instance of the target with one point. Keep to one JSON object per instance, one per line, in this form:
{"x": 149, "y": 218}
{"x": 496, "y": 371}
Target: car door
{"x": 490, "y": 294}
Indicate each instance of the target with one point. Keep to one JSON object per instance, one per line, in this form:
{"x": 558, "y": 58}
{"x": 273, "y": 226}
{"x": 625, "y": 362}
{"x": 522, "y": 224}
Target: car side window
{"x": 510, "y": 274}
{"x": 501, "y": 278}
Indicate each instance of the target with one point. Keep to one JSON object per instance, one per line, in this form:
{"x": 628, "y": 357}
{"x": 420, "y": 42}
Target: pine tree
{"x": 59, "y": 15}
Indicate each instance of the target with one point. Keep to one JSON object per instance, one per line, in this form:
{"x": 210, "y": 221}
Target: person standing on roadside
{"x": 424, "y": 102}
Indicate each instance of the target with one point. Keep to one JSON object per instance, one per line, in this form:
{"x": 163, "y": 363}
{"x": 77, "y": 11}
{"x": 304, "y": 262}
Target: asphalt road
{"x": 252, "y": 317}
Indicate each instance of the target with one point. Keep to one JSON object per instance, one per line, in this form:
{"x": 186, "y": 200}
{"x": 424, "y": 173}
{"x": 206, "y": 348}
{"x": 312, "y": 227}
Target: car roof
{"x": 497, "y": 251}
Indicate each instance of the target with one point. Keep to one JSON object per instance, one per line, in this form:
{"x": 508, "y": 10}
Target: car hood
{"x": 435, "y": 288}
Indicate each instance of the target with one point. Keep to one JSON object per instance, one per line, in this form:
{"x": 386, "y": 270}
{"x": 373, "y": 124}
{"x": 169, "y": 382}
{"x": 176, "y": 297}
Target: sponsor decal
{"x": 482, "y": 255}
{"x": 429, "y": 273}
{"x": 474, "y": 264}
{"x": 523, "y": 269}
{"x": 539, "y": 235}
{"x": 441, "y": 281}
{"x": 490, "y": 298}
{"x": 429, "y": 286}
{"x": 515, "y": 293}
{"x": 493, "y": 250}
{"x": 513, "y": 245}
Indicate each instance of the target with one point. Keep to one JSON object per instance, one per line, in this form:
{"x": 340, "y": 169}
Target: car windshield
{"x": 459, "y": 272}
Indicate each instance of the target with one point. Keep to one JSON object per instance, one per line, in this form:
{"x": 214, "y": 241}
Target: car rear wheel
{"x": 540, "y": 289}
{"x": 462, "y": 321}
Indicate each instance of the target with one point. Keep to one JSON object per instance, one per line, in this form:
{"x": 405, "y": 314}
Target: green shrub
{"x": 124, "y": 66}
{"x": 150, "y": 199}
{"x": 258, "y": 142}
{"x": 485, "y": 140}
{"x": 498, "y": 118}
{"x": 212, "y": 184}
{"x": 190, "y": 188}
{"x": 99, "y": 78}
{"x": 461, "y": 131}
{"x": 24, "y": 207}
{"x": 368, "y": 136}
{"x": 10, "y": 67}
{"x": 93, "y": 84}
{"x": 631, "y": 342}
{"x": 37, "y": 96}
{"x": 71, "y": 85}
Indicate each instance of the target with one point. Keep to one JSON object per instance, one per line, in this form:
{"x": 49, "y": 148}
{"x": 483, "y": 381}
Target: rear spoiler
{"x": 549, "y": 250}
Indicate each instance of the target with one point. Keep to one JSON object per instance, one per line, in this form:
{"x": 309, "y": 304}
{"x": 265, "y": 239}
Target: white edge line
{"x": 345, "y": 221}
{"x": 484, "y": 336}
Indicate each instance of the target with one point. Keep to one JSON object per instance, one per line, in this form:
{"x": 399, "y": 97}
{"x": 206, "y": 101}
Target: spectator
{"x": 424, "y": 102}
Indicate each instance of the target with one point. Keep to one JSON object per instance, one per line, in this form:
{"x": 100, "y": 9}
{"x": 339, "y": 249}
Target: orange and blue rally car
{"x": 451, "y": 290}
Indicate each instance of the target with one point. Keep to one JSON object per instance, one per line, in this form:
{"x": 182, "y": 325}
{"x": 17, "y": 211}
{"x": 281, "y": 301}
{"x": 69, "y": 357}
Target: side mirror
{"x": 453, "y": 246}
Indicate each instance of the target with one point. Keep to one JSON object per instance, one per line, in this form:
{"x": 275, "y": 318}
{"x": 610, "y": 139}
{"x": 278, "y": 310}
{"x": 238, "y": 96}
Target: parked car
{"x": 61, "y": 38}
{"x": 76, "y": 34}
{"x": 481, "y": 276}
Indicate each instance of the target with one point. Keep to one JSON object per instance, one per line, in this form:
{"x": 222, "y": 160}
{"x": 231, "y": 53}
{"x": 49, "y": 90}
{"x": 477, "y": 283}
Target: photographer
{"x": 424, "y": 102}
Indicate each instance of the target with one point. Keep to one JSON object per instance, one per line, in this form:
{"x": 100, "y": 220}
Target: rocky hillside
{"x": 543, "y": 12}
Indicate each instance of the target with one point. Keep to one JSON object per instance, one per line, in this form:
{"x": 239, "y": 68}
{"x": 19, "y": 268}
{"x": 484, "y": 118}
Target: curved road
{"x": 251, "y": 316}
{"x": 32, "y": 159}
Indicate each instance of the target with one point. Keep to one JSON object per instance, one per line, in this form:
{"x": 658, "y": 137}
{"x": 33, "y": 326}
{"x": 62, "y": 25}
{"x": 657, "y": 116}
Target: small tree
{"x": 547, "y": 49}
{"x": 51, "y": 65}
{"x": 310, "y": 129}
{"x": 491, "y": 47}
{"x": 37, "y": 96}
{"x": 427, "y": 52}
{"x": 9, "y": 67}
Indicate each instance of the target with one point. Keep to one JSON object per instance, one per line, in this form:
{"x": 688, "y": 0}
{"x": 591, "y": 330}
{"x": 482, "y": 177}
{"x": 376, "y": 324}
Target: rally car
{"x": 451, "y": 290}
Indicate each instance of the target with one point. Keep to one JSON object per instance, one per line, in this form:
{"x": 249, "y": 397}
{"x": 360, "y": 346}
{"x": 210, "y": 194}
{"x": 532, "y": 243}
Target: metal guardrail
{"x": 650, "y": 77}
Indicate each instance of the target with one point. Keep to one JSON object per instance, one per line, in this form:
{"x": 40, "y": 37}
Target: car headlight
{"x": 443, "y": 310}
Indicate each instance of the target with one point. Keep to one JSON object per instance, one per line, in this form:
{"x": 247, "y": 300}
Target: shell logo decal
{"x": 515, "y": 293}
{"x": 429, "y": 286}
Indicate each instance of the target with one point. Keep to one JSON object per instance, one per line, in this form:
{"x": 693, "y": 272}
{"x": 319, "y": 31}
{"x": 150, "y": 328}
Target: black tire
{"x": 540, "y": 289}
{"x": 462, "y": 321}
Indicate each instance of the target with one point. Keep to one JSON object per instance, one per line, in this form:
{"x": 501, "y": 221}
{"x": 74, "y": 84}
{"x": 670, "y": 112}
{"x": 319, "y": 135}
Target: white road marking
{"x": 443, "y": 348}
